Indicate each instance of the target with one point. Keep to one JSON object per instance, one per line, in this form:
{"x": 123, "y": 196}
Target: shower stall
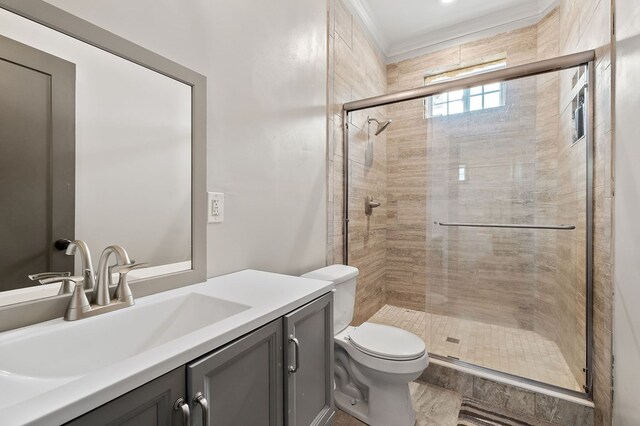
{"x": 489, "y": 221}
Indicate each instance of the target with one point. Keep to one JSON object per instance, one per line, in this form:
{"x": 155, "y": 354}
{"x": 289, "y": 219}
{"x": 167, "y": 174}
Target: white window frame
{"x": 466, "y": 93}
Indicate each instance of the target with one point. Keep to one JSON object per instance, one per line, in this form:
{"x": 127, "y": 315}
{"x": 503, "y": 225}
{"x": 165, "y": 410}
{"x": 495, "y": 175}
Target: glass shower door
{"x": 506, "y": 237}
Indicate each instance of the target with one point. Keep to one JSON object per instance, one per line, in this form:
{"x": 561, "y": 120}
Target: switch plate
{"x": 215, "y": 206}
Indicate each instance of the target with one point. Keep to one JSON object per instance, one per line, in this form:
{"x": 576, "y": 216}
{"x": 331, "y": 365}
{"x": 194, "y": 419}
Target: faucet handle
{"x": 79, "y": 302}
{"x": 123, "y": 291}
{"x": 44, "y": 275}
{"x": 126, "y": 268}
{"x": 65, "y": 287}
{"x": 57, "y": 279}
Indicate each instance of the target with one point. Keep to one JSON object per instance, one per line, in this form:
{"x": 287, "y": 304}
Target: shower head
{"x": 381, "y": 126}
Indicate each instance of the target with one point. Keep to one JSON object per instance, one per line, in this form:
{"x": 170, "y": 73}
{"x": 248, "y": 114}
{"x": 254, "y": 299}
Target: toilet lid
{"x": 387, "y": 342}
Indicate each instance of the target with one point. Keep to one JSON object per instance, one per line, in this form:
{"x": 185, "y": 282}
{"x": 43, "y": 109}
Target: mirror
{"x": 95, "y": 146}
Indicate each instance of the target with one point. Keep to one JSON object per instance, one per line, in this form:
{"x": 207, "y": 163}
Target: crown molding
{"x": 481, "y": 27}
{"x": 360, "y": 10}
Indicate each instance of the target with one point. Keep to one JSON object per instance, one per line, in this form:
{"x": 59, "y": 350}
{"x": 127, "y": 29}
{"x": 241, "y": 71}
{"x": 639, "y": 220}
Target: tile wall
{"x": 357, "y": 70}
{"x": 586, "y": 24}
{"x": 509, "y": 168}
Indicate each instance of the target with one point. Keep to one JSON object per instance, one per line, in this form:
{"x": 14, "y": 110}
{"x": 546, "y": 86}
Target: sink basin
{"x": 53, "y": 356}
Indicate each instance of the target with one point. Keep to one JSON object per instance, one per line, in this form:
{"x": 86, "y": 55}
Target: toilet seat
{"x": 386, "y": 342}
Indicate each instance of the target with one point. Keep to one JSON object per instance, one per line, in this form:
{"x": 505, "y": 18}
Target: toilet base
{"x": 385, "y": 407}
{"x": 373, "y": 397}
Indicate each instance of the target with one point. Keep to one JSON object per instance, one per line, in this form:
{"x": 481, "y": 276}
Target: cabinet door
{"x": 241, "y": 383}
{"x": 309, "y": 363}
{"x": 149, "y": 405}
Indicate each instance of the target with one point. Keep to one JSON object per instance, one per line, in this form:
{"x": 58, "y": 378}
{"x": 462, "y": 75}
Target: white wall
{"x": 627, "y": 213}
{"x": 266, "y": 68}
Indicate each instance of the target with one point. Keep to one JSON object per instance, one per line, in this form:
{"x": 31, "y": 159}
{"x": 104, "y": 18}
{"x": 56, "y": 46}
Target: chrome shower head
{"x": 381, "y": 126}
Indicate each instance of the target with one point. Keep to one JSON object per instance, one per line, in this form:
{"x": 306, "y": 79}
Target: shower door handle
{"x": 560, "y": 227}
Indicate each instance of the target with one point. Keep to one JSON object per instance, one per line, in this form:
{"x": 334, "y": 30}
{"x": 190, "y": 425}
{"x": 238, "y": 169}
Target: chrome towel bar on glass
{"x": 507, "y": 225}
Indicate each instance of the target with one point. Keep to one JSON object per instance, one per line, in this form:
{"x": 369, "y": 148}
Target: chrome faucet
{"x": 79, "y": 305}
{"x": 101, "y": 294}
{"x": 80, "y": 308}
{"x": 87, "y": 267}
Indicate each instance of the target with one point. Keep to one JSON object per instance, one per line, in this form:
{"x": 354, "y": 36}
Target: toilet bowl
{"x": 373, "y": 363}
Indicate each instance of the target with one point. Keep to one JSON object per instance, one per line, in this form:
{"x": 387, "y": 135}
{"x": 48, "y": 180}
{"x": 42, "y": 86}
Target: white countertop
{"x": 269, "y": 296}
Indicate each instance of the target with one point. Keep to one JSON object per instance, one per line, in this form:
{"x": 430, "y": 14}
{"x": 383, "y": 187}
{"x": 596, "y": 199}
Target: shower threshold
{"x": 515, "y": 352}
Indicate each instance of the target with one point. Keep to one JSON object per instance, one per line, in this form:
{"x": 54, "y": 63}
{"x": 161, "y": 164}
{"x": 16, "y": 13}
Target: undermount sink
{"x": 56, "y": 355}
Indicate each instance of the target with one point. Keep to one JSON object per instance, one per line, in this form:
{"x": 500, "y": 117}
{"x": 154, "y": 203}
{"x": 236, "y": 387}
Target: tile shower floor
{"x": 520, "y": 352}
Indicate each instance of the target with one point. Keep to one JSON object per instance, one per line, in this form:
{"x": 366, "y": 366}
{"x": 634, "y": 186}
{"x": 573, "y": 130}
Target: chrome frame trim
{"x": 500, "y": 75}
{"x": 589, "y": 100}
{"x": 504, "y": 375}
{"x": 345, "y": 192}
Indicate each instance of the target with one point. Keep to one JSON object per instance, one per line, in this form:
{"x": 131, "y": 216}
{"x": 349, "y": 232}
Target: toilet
{"x": 373, "y": 363}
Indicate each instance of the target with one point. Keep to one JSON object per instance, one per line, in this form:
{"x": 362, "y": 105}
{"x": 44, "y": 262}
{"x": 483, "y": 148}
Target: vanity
{"x": 248, "y": 348}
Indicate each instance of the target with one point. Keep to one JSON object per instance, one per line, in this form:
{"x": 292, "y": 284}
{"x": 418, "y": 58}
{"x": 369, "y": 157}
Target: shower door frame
{"x": 585, "y": 58}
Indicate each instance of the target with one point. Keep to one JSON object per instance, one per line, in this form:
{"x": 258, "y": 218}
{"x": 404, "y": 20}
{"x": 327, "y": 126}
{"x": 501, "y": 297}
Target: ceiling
{"x": 407, "y": 28}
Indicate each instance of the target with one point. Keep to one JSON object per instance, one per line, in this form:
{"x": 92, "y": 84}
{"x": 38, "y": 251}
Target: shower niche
{"x": 578, "y": 105}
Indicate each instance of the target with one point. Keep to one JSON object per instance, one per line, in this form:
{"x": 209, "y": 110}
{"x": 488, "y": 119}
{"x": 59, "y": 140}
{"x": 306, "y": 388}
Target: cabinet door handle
{"x": 296, "y": 345}
{"x": 200, "y": 400}
{"x": 181, "y": 404}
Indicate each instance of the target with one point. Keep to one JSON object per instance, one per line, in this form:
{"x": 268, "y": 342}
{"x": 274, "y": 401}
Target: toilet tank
{"x": 344, "y": 300}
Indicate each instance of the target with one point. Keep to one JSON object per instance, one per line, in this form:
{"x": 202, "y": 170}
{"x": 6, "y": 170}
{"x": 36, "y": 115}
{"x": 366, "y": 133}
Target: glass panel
{"x": 438, "y": 99}
{"x": 456, "y": 107}
{"x": 511, "y": 300}
{"x": 454, "y": 96}
{"x": 492, "y": 100}
{"x": 439, "y": 109}
{"x": 492, "y": 87}
{"x": 475, "y": 103}
{"x": 475, "y": 90}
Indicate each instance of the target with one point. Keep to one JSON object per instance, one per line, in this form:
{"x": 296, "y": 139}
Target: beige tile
{"x": 343, "y": 22}
{"x": 515, "y": 351}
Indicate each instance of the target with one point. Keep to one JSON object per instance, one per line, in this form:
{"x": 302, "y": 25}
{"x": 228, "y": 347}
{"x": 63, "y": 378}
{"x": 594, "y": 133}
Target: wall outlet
{"x": 215, "y": 207}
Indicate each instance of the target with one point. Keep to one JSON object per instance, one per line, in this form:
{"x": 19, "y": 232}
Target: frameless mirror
{"x": 95, "y": 147}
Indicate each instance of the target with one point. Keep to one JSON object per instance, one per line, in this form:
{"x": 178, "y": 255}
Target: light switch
{"x": 215, "y": 207}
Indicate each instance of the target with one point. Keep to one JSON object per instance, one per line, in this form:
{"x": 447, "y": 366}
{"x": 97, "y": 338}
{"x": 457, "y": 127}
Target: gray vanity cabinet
{"x": 149, "y": 405}
{"x": 241, "y": 383}
{"x": 309, "y": 363}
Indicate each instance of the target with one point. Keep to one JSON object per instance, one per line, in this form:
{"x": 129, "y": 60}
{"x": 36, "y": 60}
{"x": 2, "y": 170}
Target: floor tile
{"x": 520, "y": 352}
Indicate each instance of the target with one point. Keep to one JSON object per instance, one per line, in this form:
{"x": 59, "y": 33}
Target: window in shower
{"x": 467, "y": 100}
